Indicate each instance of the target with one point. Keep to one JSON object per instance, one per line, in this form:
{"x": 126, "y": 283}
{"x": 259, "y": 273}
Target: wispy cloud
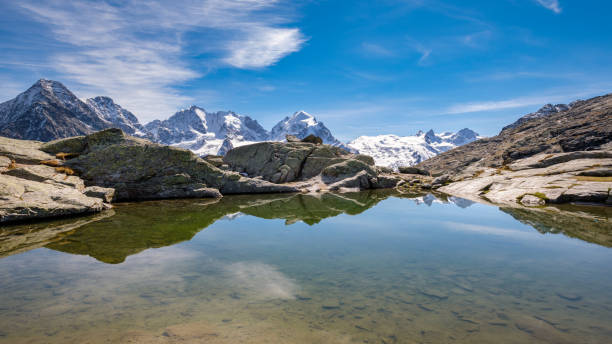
{"x": 263, "y": 46}
{"x": 552, "y": 5}
{"x": 495, "y": 105}
{"x": 135, "y": 53}
{"x": 506, "y": 75}
{"x": 544, "y": 97}
{"x": 373, "y": 49}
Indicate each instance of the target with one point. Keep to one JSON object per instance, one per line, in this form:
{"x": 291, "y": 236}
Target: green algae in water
{"x": 364, "y": 267}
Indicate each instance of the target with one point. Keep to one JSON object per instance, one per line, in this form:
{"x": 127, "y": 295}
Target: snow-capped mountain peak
{"x": 302, "y": 124}
{"x": 306, "y": 118}
{"x": 206, "y": 132}
{"x": 115, "y": 115}
{"x": 46, "y": 111}
{"x": 394, "y": 151}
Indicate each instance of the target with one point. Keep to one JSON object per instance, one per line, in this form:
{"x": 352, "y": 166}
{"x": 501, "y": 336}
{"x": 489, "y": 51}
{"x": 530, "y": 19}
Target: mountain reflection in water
{"x": 130, "y": 228}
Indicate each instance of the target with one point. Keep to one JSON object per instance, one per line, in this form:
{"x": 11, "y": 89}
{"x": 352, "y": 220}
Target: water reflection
{"x": 303, "y": 269}
{"x": 112, "y": 236}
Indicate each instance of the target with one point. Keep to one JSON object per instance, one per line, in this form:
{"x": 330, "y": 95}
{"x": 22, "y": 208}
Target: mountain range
{"x": 48, "y": 110}
{"x": 394, "y": 151}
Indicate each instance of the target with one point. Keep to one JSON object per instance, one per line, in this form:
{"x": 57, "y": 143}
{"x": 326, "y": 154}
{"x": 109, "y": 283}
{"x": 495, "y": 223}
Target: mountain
{"x": 217, "y": 132}
{"x": 585, "y": 125}
{"x": 116, "y": 116}
{"x": 205, "y": 132}
{"x": 47, "y": 111}
{"x": 544, "y": 111}
{"x": 394, "y": 151}
{"x": 302, "y": 124}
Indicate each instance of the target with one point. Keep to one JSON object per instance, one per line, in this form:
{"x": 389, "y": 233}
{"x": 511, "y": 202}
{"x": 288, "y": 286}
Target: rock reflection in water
{"x": 133, "y": 227}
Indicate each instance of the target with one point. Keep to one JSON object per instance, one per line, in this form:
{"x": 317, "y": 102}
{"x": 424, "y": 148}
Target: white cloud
{"x": 552, "y": 5}
{"x": 263, "y": 46}
{"x": 135, "y": 53}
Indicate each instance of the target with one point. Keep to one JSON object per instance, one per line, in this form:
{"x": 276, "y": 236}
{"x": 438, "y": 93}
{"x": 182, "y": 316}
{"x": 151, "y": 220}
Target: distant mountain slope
{"x": 46, "y": 111}
{"x": 394, "y": 151}
{"x": 205, "y": 132}
{"x": 587, "y": 125}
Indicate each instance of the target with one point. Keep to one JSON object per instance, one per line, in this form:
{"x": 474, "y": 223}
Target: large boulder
{"x": 139, "y": 169}
{"x": 280, "y": 162}
{"x": 276, "y": 162}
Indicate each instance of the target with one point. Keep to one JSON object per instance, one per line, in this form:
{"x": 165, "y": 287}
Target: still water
{"x": 368, "y": 267}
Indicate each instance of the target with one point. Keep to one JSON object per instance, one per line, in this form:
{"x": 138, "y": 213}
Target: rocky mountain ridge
{"x": 564, "y": 156}
{"x": 544, "y": 111}
{"x": 587, "y": 125}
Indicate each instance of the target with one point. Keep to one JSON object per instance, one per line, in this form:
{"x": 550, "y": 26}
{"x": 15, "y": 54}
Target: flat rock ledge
{"x": 30, "y": 190}
{"x": 575, "y": 177}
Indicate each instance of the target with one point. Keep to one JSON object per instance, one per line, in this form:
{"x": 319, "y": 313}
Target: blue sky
{"x": 362, "y": 67}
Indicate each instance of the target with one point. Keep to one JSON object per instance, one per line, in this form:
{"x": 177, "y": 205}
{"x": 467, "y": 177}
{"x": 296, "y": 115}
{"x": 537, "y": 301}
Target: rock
{"x": 532, "y": 201}
{"x": 22, "y": 152}
{"x": 279, "y": 162}
{"x": 266, "y": 159}
{"x": 25, "y": 199}
{"x": 597, "y": 172}
{"x": 383, "y": 169}
{"x": 139, "y": 169}
{"x": 346, "y": 169}
{"x": 596, "y": 192}
{"x": 106, "y": 194}
{"x": 359, "y": 181}
{"x": 215, "y": 160}
{"x": 5, "y": 163}
{"x": 441, "y": 180}
{"x": 426, "y": 186}
{"x": 30, "y": 189}
{"x": 386, "y": 181}
{"x": 321, "y": 157}
{"x": 412, "y": 170}
{"x": 313, "y": 139}
{"x": 292, "y": 138}
{"x": 364, "y": 158}
{"x": 45, "y": 174}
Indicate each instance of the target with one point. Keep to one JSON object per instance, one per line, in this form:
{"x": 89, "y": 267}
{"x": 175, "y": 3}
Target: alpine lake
{"x": 366, "y": 267}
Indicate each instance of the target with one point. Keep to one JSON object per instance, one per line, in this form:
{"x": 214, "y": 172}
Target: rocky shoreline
{"x": 575, "y": 177}
{"x": 84, "y": 174}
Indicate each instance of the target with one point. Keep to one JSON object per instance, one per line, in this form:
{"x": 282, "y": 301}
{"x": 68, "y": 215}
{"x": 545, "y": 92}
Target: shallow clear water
{"x": 365, "y": 268}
